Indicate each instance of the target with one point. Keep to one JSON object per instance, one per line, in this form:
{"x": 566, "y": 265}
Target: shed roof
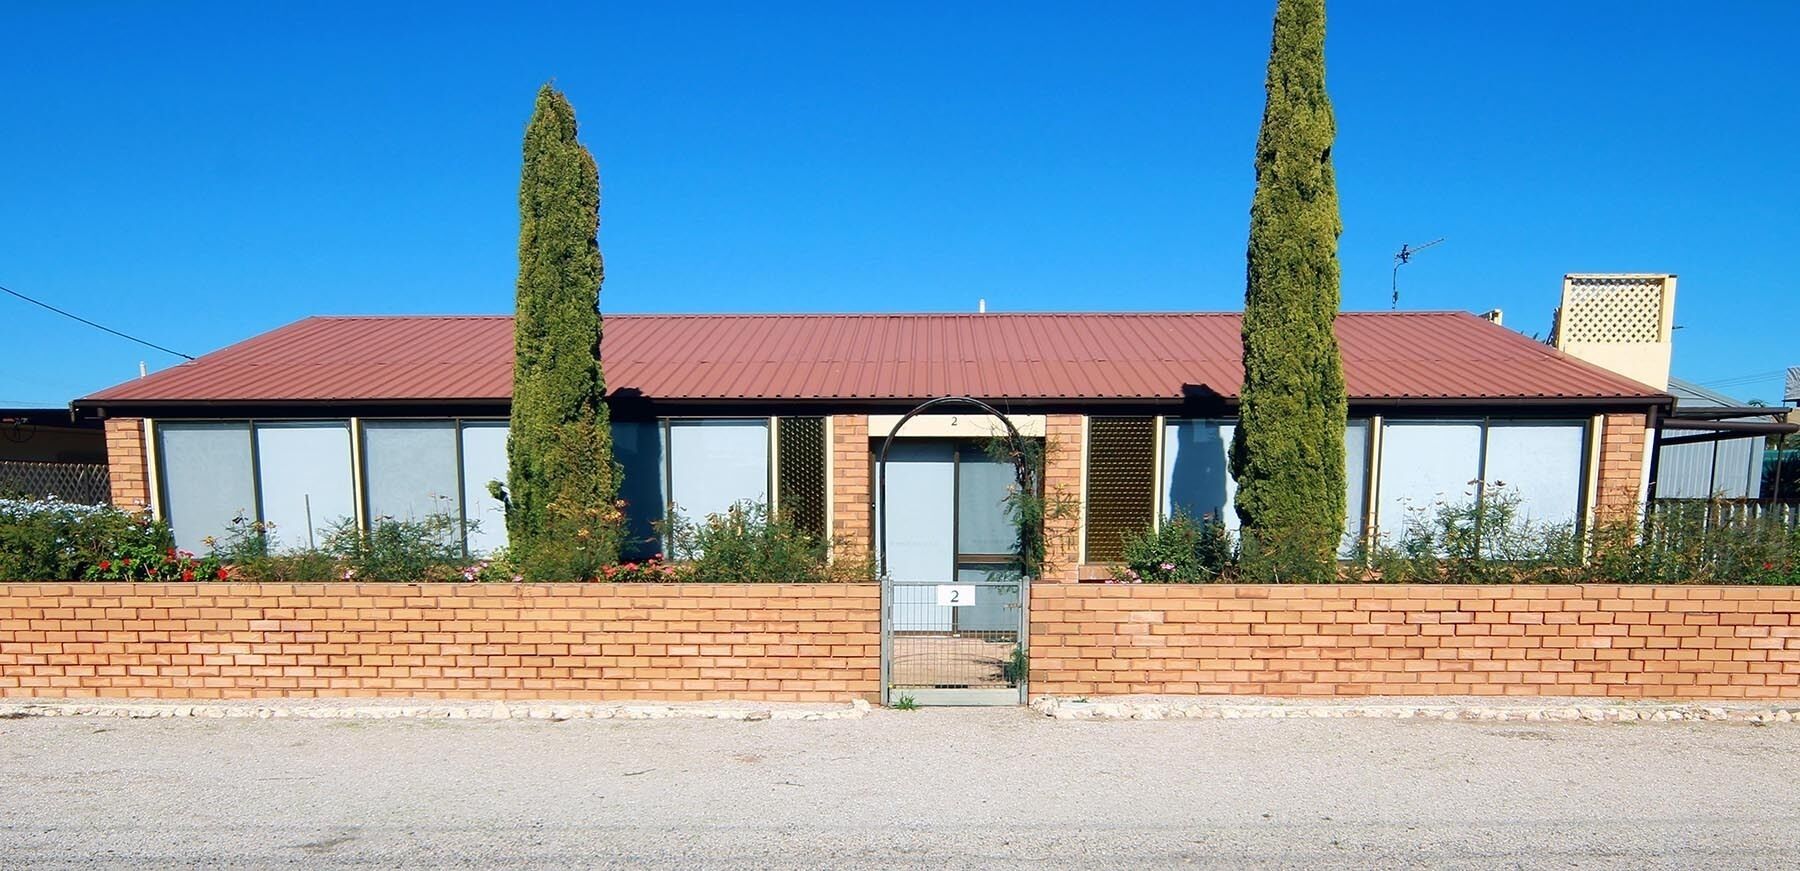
{"x": 852, "y": 357}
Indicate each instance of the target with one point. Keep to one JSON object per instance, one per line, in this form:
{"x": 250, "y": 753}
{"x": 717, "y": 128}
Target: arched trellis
{"x": 1024, "y": 470}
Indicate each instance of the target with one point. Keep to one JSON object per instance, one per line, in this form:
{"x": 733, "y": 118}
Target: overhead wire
{"x": 102, "y": 327}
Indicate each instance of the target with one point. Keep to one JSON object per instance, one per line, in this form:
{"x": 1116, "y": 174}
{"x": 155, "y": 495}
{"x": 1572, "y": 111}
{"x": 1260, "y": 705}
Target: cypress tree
{"x": 1288, "y": 453}
{"x": 561, "y": 519}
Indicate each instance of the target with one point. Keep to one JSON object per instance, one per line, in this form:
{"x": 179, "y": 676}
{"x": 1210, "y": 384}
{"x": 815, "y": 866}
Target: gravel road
{"x": 934, "y": 788}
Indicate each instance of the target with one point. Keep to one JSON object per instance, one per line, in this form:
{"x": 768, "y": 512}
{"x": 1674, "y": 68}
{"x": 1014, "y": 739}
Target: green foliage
{"x": 1288, "y": 452}
{"x": 52, "y": 540}
{"x": 562, "y": 478}
{"x": 1028, "y": 507}
{"x": 1016, "y": 666}
{"x": 905, "y": 703}
{"x": 1180, "y": 551}
{"x": 429, "y": 549}
{"x": 748, "y": 544}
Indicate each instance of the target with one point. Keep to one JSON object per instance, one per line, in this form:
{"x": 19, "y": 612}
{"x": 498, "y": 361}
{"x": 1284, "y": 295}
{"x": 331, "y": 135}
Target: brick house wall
{"x": 1619, "y": 489}
{"x": 851, "y": 491}
{"x": 778, "y": 642}
{"x": 127, "y": 463}
{"x": 1065, "y": 442}
{"x": 1671, "y": 642}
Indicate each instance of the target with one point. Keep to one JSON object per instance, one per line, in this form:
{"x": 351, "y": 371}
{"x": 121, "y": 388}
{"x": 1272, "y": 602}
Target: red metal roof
{"x": 1065, "y": 356}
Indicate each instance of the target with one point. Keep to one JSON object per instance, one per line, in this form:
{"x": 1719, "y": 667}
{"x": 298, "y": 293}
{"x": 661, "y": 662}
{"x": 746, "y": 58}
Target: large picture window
{"x": 483, "y": 462}
{"x": 411, "y": 468}
{"x": 208, "y": 479}
{"x": 1197, "y": 480}
{"x": 306, "y": 483}
{"x": 714, "y": 463}
{"x": 1431, "y": 464}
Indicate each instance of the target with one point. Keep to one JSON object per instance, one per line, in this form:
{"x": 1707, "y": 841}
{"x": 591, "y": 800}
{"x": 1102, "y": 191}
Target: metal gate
{"x": 956, "y": 642}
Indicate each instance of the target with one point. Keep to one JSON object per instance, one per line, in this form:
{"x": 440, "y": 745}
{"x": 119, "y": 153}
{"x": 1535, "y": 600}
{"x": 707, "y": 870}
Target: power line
{"x": 102, "y": 327}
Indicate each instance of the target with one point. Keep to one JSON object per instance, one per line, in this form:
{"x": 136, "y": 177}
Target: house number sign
{"x": 955, "y": 595}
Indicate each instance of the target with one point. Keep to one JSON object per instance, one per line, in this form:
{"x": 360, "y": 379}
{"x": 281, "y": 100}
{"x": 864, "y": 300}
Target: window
{"x": 411, "y": 468}
{"x": 1197, "y": 480}
{"x": 638, "y": 446}
{"x": 715, "y": 463}
{"x": 1430, "y": 463}
{"x": 208, "y": 478}
{"x": 305, "y": 479}
{"x": 483, "y": 461}
{"x": 1121, "y": 483}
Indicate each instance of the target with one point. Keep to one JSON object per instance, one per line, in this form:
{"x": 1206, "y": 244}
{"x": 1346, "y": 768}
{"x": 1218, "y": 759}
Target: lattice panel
{"x": 87, "y": 483}
{"x": 1621, "y": 310}
{"x": 1121, "y": 483}
{"x": 802, "y": 484}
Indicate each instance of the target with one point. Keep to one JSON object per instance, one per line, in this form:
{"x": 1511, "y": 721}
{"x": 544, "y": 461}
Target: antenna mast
{"x": 1404, "y": 257}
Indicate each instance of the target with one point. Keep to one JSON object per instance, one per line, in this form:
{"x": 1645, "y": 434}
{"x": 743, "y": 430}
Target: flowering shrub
{"x": 52, "y": 540}
{"x": 749, "y": 544}
{"x": 1180, "y": 551}
{"x": 140, "y": 563}
{"x": 650, "y": 571}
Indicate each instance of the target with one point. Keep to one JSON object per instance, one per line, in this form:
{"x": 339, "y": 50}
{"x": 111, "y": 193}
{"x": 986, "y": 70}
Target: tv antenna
{"x": 1404, "y": 257}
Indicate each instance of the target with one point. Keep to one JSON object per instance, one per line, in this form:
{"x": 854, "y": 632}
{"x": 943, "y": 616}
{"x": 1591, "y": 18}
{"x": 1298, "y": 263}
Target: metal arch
{"x": 1021, "y": 468}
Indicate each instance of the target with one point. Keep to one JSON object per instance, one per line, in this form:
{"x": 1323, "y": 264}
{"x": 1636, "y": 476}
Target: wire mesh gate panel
{"x": 959, "y": 642}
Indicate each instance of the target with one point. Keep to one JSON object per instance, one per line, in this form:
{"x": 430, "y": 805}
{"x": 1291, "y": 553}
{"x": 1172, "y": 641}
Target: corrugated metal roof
{"x": 1064, "y": 356}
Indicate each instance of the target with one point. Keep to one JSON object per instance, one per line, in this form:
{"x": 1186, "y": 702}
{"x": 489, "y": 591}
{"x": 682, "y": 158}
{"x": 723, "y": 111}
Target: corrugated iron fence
{"x": 86, "y": 483}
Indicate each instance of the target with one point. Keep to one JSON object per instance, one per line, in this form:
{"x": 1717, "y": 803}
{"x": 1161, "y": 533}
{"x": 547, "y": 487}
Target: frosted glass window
{"x": 982, "y": 526}
{"x": 638, "y": 446}
{"x": 206, "y": 479}
{"x": 1424, "y": 463}
{"x": 306, "y": 478}
{"x": 411, "y": 469}
{"x": 483, "y": 460}
{"x": 1539, "y": 463}
{"x": 1356, "y": 484}
{"x": 1197, "y": 470}
{"x": 714, "y": 463}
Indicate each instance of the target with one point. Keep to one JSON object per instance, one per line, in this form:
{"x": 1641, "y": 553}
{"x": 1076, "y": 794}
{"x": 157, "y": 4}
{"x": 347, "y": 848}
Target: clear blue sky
{"x": 201, "y": 173}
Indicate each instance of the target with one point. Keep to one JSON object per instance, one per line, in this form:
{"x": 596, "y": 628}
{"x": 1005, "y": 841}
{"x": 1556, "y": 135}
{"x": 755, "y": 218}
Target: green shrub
{"x": 429, "y": 549}
{"x": 747, "y": 544}
{"x": 1180, "y": 551}
{"x": 52, "y": 540}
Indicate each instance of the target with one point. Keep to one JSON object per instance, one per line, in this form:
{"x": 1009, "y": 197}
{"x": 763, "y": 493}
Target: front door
{"x": 954, "y": 615}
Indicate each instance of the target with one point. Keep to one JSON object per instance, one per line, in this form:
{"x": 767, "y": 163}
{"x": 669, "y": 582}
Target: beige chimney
{"x": 1621, "y": 322}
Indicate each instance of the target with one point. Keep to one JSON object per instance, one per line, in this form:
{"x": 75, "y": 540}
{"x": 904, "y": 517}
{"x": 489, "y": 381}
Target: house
{"x": 363, "y": 417}
{"x": 49, "y": 452}
{"x": 1727, "y": 468}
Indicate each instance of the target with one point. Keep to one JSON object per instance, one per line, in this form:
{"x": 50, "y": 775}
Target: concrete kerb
{"x": 1477, "y": 709}
{"x": 427, "y": 709}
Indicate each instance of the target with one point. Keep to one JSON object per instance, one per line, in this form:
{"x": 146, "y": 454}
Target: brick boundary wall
{"x": 1658, "y": 642}
{"x": 769, "y": 642}
{"x": 126, "y": 463}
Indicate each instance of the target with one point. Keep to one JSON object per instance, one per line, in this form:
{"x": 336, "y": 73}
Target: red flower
{"x": 125, "y": 562}
{"x": 105, "y": 564}
{"x": 222, "y": 573}
{"x": 187, "y": 574}
{"x": 1768, "y": 567}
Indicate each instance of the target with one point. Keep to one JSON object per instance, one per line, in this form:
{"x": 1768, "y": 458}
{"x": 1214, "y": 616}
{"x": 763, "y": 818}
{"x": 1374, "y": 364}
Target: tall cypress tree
{"x": 1288, "y": 453}
{"x": 562, "y": 483}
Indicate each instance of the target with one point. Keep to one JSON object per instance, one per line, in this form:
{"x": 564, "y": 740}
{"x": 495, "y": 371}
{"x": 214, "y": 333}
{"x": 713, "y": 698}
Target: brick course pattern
{"x": 1064, "y": 445}
{"x": 1621, "y": 466}
{"x": 125, "y": 461}
{"x": 768, "y": 642}
{"x": 852, "y": 498}
{"x": 1654, "y": 642}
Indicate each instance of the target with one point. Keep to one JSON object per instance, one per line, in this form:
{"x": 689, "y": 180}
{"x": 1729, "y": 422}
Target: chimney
{"x": 1621, "y": 322}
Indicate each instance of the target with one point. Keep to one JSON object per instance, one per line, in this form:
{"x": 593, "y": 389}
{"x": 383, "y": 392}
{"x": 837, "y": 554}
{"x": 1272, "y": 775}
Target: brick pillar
{"x": 1619, "y": 495}
{"x": 851, "y": 494}
{"x": 1064, "y": 446}
{"x": 125, "y": 463}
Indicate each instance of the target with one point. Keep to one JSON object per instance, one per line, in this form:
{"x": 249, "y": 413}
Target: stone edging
{"x": 426, "y": 709}
{"x": 1465, "y": 709}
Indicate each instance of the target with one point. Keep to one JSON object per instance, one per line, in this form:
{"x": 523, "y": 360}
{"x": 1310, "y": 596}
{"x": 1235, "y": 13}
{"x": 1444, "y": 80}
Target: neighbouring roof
{"x": 1064, "y": 356}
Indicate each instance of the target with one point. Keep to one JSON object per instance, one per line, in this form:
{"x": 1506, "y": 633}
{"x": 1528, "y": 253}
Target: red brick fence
{"x": 1668, "y": 642}
{"x": 799, "y": 642}
{"x": 818, "y": 642}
